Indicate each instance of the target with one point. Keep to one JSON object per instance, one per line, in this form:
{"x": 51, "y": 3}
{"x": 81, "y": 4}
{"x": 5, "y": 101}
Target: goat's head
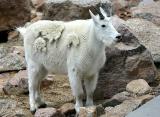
{"x": 104, "y": 29}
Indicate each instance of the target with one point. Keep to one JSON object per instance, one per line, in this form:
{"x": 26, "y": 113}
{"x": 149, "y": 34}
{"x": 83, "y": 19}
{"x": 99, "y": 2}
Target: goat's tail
{"x": 21, "y": 30}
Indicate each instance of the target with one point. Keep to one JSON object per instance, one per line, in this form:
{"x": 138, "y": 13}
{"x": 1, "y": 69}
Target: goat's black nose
{"x": 119, "y": 38}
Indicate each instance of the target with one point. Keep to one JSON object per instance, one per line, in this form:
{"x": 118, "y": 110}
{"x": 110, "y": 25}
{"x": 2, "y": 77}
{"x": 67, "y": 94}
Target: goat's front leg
{"x": 35, "y": 74}
{"x": 76, "y": 86}
{"x": 90, "y": 85}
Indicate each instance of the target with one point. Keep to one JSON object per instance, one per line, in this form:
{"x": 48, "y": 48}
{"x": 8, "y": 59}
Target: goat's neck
{"x": 94, "y": 43}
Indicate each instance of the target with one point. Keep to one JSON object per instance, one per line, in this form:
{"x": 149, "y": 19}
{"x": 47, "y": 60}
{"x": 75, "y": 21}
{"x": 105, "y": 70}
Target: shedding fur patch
{"x": 40, "y": 45}
{"x": 73, "y": 40}
{"x": 52, "y": 32}
{"x": 48, "y": 34}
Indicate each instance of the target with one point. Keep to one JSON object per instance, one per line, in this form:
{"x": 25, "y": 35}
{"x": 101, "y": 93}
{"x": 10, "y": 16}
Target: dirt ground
{"x": 55, "y": 95}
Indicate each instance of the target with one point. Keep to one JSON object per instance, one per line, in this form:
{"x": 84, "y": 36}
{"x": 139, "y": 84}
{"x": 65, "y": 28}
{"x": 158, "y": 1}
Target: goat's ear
{"x": 103, "y": 12}
{"x": 95, "y": 19}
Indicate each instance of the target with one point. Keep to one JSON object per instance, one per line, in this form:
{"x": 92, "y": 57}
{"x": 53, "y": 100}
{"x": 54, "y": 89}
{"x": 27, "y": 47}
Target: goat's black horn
{"x": 100, "y": 14}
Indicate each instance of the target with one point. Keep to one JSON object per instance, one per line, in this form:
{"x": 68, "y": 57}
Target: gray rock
{"x": 123, "y": 109}
{"x": 116, "y": 21}
{"x": 10, "y": 11}
{"x": 122, "y": 96}
{"x": 6, "y": 103}
{"x": 148, "y": 34}
{"x": 129, "y": 60}
{"x": 78, "y": 9}
{"x": 100, "y": 110}
{"x": 10, "y": 108}
{"x": 156, "y": 90}
{"x": 139, "y": 87}
{"x": 48, "y": 112}
{"x": 3, "y": 79}
{"x": 72, "y": 9}
{"x": 148, "y": 10}
{"x": 118, "y": 5}
{"x": 17, "y": 85}
{"x": 88, "y": 112}
{"x": 67, "y": 108}
{"x": 13, "y": 35}
{"x": 10, "y": 59}
{"x": 145, "y": 98}
{"x": 150, "y": 109}
{"x": 38, "y": 4}
{"x": 126, "y": 107}
{"x": 145, "y": 2}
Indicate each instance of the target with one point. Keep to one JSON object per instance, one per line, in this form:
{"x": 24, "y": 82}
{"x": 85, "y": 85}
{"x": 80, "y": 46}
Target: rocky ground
{"x": 128, "y": 80}
{"x": 14, "y": 96}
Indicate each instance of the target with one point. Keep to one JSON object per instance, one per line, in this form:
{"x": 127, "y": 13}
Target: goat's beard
{"x": 109, "y": 43}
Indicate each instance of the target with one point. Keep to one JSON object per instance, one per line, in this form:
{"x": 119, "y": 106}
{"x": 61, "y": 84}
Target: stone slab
{"x": 150, "y": 109}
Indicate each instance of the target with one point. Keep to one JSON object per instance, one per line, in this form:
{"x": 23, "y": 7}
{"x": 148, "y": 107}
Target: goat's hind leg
{"x": 36, "y": 73}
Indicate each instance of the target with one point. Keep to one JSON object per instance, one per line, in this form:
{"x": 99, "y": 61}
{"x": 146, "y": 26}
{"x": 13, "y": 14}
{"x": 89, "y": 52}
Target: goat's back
{"x": 49, "y": 42}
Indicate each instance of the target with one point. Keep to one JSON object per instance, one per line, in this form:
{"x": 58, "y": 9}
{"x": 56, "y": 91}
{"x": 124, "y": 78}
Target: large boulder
{"x": 13, "y": 13}
{"x": 11, "y": 58}
{"x": 38, "y": 4}
{"x": 129, "y": 60}
{"x": 17, "y": 85}
{"x": 78, "y": 9}
{"x": 146, "y": 2}
{"x": 118, "y": 5}
{"x": 148, "y": 10}
{"x": 126, "y": 107}
{"x": 148, "y": 34}
{"x": 72, "y": 9}
{"x": 139, "y": 87}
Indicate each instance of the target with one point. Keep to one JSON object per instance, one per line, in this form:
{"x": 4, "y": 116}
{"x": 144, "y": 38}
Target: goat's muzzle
{"x": 119, "y": 38}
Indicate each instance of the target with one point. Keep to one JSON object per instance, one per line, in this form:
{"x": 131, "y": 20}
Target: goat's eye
{"x": 103, "y": 25}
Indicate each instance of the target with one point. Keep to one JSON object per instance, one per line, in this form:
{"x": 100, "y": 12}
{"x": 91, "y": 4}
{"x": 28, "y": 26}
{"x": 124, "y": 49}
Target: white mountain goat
{"x": 75, "y": 47}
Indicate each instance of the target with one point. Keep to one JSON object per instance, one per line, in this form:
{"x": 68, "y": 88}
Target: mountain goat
{"x": 75, "y": 47}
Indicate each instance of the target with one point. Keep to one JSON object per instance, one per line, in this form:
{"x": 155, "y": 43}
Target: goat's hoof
{"x": 44, "y": 105}
{"x": 33, "y": 111}
{"x": 77, "y": 115}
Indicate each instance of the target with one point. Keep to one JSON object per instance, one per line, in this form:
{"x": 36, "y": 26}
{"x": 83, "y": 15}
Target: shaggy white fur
{"x": 73, "y": 39}
{"x": 40, "y": 45}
